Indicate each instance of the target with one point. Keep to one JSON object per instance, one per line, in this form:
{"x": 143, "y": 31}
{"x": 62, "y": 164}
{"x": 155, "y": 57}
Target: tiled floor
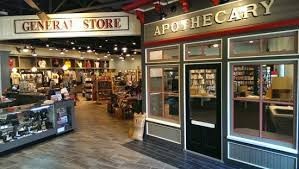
{"x": 100, "y": 142}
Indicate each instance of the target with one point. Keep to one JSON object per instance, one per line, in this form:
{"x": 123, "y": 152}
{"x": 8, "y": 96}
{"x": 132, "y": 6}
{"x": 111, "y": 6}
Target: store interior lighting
{"x": 25, "y": 49}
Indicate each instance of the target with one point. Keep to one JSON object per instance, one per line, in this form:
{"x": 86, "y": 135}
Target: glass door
{"x": 203, "y": 116}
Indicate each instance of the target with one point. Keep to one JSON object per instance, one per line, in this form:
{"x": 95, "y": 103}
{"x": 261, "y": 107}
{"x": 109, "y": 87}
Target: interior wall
{"x": 125, "y": 65}
{"x": 4, "y": 71}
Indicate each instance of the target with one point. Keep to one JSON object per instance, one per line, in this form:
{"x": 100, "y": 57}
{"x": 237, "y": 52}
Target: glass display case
{"x": 64, "y": 111}
{"x": 20, "y": 125}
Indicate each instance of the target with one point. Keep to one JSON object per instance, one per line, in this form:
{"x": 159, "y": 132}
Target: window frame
{"x": 296, "y": 52}
{"x": 162, "y": 120}
{"x": 198, "y": 58}
{"x": 260, "y": 141}
{"x": 148, "y": 50}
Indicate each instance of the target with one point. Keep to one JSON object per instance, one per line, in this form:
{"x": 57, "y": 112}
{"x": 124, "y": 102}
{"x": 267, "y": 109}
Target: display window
{"x": 203, "y": 50}
{"x": 163, "y": 93}
{"x": 163, "y": 54}
{"x": 263, "y": 102}
{"x": 264, "y": 44}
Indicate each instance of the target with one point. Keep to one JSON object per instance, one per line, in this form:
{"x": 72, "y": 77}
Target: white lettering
{"x": 217, "y": 20}
{"x": 174, "y": 27}
{"x": 207, "y": 21}
{"x": 165, "y": 27}
{"x": 157, "y": 31}
{"x": 267, "y": 6}
{"x": 251, "y": 8}
{"x": 195, "y": 21}
{"x": 235, "y": 15}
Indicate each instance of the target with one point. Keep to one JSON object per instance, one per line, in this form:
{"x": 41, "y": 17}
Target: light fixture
{"x": 108, "y": 52}
{"x": 25, "y": 49}
{"x": 34, "y": 54}
{"x": 115, "y": 48}
{"x": 72, "y": 43}
{"x": 88, "y": 47}
{"x": 56, "y": 49}
{"x": 47, "y": 45}
{"x": 61, "y": 52}
{"x": 124, "y": 49}
{"x": 115, "y": 44}
{"x": 132, "y": 58}
{"x": 79, "y": 47}
{"x": 100, "y": 46}
{"x": 128, "y": 55}
{"x": 135, "y": 53}
{"x": 163, "y": 16}
{"x": 106, "y": 40}
{"x": 251, "y": 41}
{"x": 215, "y": 45}
{"x": 74, "y": 48}
{"x": 34, "y": 69}
{"x": 89, "y": 51}
{"x": 134, "y": 43}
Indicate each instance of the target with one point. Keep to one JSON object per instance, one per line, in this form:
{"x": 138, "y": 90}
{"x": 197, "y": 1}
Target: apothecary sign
{"x": 72, "y": 24}
{"x": 223, "y": 17}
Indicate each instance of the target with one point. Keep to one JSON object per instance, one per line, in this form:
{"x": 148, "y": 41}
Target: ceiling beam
{"x": 117, "y": 3}
{"x": 91, "y": 3}
{"x": 59, "y": 6}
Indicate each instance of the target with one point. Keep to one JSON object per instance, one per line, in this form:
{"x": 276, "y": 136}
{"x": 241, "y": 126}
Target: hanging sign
{"x": 223, "y": 18}
{"x": 103, "y": 24}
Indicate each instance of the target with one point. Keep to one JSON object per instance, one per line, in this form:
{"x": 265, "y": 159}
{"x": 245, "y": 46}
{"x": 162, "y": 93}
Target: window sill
{"x": 263, "y": 144}
{"x": 163, "y": 122}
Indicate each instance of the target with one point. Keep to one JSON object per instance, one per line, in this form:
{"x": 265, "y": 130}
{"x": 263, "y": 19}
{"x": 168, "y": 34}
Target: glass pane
{"x": 278, "y": 82}
{"x": 171, "y": 80}
{"x": 205, "y": 50}
{"x": 163, "y": 85}
{"x": 279, "y": 122}
{"x": 203, "y": 105}
{"x": 279, "y": 43}
{"x": 246, "y": 81}
{"x": 246, "y": 117}
{"x": 163, "y": 54}
{"x": 155, "y": 104}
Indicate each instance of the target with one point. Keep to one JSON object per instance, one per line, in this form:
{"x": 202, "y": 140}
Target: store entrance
{"x": 203, "y": 109}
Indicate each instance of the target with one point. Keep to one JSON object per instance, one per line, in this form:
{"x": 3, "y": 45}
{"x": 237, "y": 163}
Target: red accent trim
{"x": 136, "y": 4}
{"x": 225, "y": 32}
{"x": 185, "y": 5}
{"x": 140, "y": 16}
{"x": 215, "y": 2}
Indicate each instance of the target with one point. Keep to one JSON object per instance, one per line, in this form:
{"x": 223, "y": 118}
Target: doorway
{"x": 203, "y": 109}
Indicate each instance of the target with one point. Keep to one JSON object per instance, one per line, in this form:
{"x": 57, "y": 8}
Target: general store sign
{"x": 227, "y": 17}
{"x": 112, "y": 23}
{"x": 103, "y": 24}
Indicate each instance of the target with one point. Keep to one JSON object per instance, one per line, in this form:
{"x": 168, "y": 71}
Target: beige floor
{"x": 96, "y": 144}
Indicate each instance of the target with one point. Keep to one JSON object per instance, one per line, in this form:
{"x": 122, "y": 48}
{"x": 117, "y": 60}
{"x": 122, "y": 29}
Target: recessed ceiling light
{"x": 134, "y": 43}
{"x": 124, "y": 49}
{"x": 47, "y": 45}
{"x": 74, "y": 48}
{"x": 135, "y": 53}
{"x": 132, "y": 58}
{"x": 79, "y": 47}
{"x": 115, "y": 48}
{"x": 100, "y": 46}
{"x": 72, "y": 43}
{"x": 88, "y": 47}
{"x": 106, "y": 40}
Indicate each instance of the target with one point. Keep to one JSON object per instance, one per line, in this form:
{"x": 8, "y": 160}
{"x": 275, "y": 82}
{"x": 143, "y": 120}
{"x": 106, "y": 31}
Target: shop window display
{"x": 203, "y": 50}
{"x": 263, "y": 103}
{"x": 273, "y": 44}
{"x": 163, "y": 93}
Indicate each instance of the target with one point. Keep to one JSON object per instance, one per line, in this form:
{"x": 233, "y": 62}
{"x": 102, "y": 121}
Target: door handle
{"x": 203, "y": 124}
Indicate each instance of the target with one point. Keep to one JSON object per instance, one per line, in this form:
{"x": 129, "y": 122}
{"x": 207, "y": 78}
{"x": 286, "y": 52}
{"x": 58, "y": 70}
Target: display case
{"x": 64, "y": 111}
{"x": 24, "y": 124}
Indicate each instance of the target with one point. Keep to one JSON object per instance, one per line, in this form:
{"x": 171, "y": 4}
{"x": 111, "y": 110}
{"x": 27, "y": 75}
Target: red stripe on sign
{"x": 136, "y": 4}
{"x": 226, "y": 32}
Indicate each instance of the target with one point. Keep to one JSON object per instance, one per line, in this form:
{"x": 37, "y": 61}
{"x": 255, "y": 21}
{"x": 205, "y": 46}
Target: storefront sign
{"x": 225, "y": 17}
{"x": 73, "y": 25}
{"x": 103, "y": 24}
